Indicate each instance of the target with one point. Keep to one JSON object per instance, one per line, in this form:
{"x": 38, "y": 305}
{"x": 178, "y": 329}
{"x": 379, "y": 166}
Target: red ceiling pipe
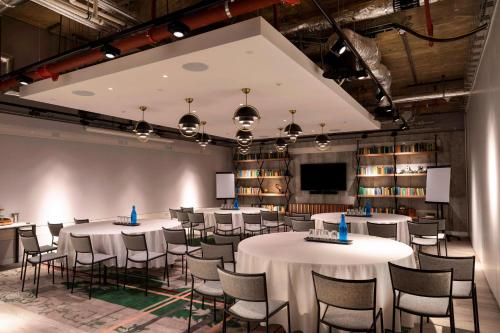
{"x": 428, "y": 20}
{"x": 153, "y": 35}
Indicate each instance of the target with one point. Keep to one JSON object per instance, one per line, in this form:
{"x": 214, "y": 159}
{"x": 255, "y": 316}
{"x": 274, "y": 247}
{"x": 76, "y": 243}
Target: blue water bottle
{"x": 236, "y": 204}
{"x": 368, "y": 208}
{"x": 133, "y": 216}
{"x": 342, "y": 228}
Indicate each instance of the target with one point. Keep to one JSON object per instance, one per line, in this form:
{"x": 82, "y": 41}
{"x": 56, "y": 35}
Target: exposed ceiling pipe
{"x": 355, "y": 13}
{"x": 6, "y": 4}
{"x": 158, "y": 33}
{"x": 105, "y": 16}
{"x": 110, "y": 7}
{"x": 446, "y": 95}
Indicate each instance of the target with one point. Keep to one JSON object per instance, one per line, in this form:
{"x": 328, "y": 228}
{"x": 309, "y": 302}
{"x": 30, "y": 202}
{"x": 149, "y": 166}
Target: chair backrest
{"x": 81, "y": 221}
{"x": 26, "y": 232}
{"x": 463, "y": 267}
{"x": 182, "y": 216}
{"x": 223, "y": 218}
{"x": 30, "y": 243}
{"x": 175, "y": 236}
{"x": 213, "y": 251}
{"x": 347, "y": 294}
{"x": 204, "y": 268}
{"x": 173, "y": 213}
{"x": 423, "y": 229}
{"x": 330, "y": 226}
{"x": 306, "y": 216}
{"x": 196, "y": 218}
{"x": 386, "y": 230}
{"x": 187, "y": 209}
{"x": 228, "y": 239}
{"x": 427, "y": 283}
{"x": 55, "y": 228}
{"x": 135, "y": 242}
{"x": 81, "y": 244}
{"x": 270, "y": 216}
{"x": 247, "y": 287}
{"x": 252, "y": 218}
{"x": 302, "y": 225}
{"x": 441, "y": 222}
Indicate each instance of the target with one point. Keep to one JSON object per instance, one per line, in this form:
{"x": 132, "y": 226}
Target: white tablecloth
{"x": 209, "y": 214}
{"x": 106, "y": 238}
{"x": 287, "y": 259}
{"x": 358, "y": 224}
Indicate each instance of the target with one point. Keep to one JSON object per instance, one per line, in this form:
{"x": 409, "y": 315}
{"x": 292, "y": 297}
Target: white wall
{"x": 483, "y": 136}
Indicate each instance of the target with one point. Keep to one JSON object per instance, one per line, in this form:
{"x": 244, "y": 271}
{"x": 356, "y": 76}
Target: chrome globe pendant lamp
{"x": 280, "y": 143}
{"x": 322, "y": 140}
{"x": 292, "y": 130}
{"x": 189, "y": 124}
{"x": 202, "y": 138}
{"x": 246, "y": 116}
{"x": 143, "y": 129}
{"x": 243, "y": 150}
{"x": 244, "y": 138}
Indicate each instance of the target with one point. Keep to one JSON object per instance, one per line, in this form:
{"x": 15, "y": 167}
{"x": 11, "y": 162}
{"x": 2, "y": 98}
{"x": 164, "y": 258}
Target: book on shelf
{"x": 373, "y": 170}
{"x": 386, "y": 191}
{"x": 254, "y": 173}
{"x": 401, "y": 148}
{"x": 260, "y": 156}
{"x": 248, "y": 190}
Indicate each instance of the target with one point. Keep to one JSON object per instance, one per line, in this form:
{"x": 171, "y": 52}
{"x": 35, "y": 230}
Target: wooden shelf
{"x": 397, "y": 175}
{"x": 262, "y": 160}
{"x": 265, "y": 195}
{"x": 393, "y": 196}
{"x": 263, "y": 177}
{"x": 399, "y": 154}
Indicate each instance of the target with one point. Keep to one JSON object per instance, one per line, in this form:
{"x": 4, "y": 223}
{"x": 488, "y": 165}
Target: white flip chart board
{"x": 224, "y": 185}
{"x": 438, "y": 184}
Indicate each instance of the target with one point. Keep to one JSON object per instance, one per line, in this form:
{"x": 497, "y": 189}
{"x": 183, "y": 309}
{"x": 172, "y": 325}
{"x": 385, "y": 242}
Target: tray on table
{"x": 127, "y": 224}
{"x": 326, "y": 240}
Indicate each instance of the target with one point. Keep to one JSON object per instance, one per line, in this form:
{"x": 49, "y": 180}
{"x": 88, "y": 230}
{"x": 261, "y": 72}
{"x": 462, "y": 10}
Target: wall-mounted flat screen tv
{"x": 325, "y": 177}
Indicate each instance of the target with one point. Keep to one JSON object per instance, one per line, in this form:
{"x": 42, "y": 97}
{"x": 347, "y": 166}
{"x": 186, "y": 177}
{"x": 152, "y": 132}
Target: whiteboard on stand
{"x": 224, "y": 185}
{"x": 438, "y": 184}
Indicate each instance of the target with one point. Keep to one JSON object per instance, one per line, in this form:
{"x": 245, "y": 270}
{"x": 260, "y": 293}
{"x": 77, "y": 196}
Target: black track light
{"x": 338, "y": 48}
{"x": 364, "y": 135}
{"x": 380, "y": 96}
{"x": 24, "y": 80}
{"x": 396, "y": 118}
{"x": 178, "y": 29}
{"x": 110, "y": 51}
{"x": 404, "y": 126}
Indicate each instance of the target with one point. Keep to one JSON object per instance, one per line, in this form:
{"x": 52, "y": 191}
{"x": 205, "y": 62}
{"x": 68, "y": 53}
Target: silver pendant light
{"x": 243, "y": 150}
{"x": 280, "y": 143}
{"x": 246, "y": 116}
{"x": 202, "y": 138}
{"x": 189, "y": 124}
{"x": 293, "y": 130}
{"x": 143, "y": 129}
{"x": 322, "y": 140}
{"x": 244, "y": 138}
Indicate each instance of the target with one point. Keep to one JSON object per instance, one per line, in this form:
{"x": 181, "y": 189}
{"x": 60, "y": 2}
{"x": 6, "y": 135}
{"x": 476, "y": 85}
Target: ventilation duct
{"x": 6, "y": 4}
{"x": 446, "y": 95}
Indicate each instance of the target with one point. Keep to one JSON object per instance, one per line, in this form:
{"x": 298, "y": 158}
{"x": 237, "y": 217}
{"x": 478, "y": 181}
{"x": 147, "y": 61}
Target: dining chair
{"x": 287, "y": 221}
{"x": 173, "y": 213}
{"x": 177, "y": 244}
{"x": 28, "y": 232}
{"x": 332, "y": 226}
{"x": 224, "y": 251}
{"x": 303, "y": 225}
{"x": 251, "y": 302}
{"x": 252, "y": 224}
{"x": 183, "y": 218}
{"x": 424, "y": 234}
{"x": 85, "y": 256}
{"x": 197, "y": 223}
{"x": 384, "y": 230}
{"x": 424, "y": 293}
{"x": 224, "y": 224}
{"x": 206, "y": 270}
{"x": 271, "y": 220}
{"x": 464, "y": 286}
{"x": 81, "y": 221}
{"x": 441, "y": 231}
{"x": 32, "y": 248}
{"x": 350, "y": 305}
{"x": 187, "y": 209}
{"x": 228, "y": 239}
{"x": 137, "y": 252}
{"x": 306, "y": 216}
{"x": 55, "y": 229}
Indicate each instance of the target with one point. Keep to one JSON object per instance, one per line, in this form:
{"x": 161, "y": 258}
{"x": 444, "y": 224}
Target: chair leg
{"x": 452, "y": 318}
{"x": 185, "y": 272}
{"x": 67, "y": 273}
{"x": 382, "y": 329}
{"x": 125, "y": 277}
{"x": 116, "y": 273}
{"x": 190, "y": 310}
{"x": 446, "y": 244}
{"x": 22, "y": 266}
{"x": 165, "y": 271}
{"x": 475, "y": 311}
{"x": 62, "y": 269}
{"x": 25, "y": 264}
{"x": 53, "y": 268}
{"x": 224, "y": 317}
{"x": 99, "y": 267}
{"x": 38, "y": 278}
{"x": 394, "y": 316}
{"x": 215, "y": 309}
{"x": 288, "y": 317}
{"x": 147, "y": 277}
{"x": 421, "y": 324}
{"x": 248, "y": 327}
{"x": 91, "y": 279}
{"x": 73, "y": 279}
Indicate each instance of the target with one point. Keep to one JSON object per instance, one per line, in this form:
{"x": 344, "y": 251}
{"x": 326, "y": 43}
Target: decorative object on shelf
{"x": 143, "y": 129}
{"x": 293, "y": 130}
{"x": 322, "y": 140}
{"x": 246, "y": 116}
{"x": 244, "y": 138}
{"x": 279, "y": 188}
{"x": 202, "y": 138}
{"x": 189, "y": 124}
{"x": 280, "y": 143}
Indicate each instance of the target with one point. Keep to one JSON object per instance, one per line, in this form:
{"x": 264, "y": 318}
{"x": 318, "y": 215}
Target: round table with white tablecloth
{"x": 209, "y": 214}
{"x": 106, "y": 238}
{"x": 288, "y": 260}
{"x": 358, "y": 224}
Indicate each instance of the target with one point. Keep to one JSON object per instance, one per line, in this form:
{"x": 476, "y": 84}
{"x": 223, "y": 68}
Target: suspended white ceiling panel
{"x": 212, "y": 68}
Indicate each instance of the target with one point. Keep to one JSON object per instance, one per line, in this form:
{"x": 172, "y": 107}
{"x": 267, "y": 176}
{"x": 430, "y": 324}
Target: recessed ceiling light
{"x": 241, "y": 104}
{"x": 83, "y": 93}
{"x": 313, "y": 131}
{"x": 279, "y": 84}
{"x": 195, "y": 66}
{"x": 249, "y": 52}
{"x": 193, "y": 111}
{"x": 110, "y": 88}
{"x": 164, "y": 76}
{"x": 159, "y": 89}
{"x": 284, "y": 120}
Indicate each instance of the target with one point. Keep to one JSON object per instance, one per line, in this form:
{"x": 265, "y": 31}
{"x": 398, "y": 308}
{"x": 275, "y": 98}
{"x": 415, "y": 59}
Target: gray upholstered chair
{"x": 55, "y": 229}
{"x": 252, "y": 224}
{"x": 272, "y": 220}
{"x": 228, "y": 239}
{"x": 224, "y": 224}
{"x": 81, "y": 221}
{"x": 137, "y": 252}
{"x": 28, "y": 232}
{"x": 85, "y": 256}
{"x": 441, "y": 231}
{"x": 464, "y": 286}
{"x": 331, "y": 226}
{"x": 251, "y": 301}
{"x": 183, "y": 218}
{"x": 224, "y": 251}
{"x": 350, "y": 305}
{"x": 177, "y": 245}
{"x": 287, "y": 221}
{"x": 302, "y": 225}
{"x": 385, "y": 230}
{"x": 205, "y": 270}
{"x": 425, "y": 293}
{"x": 187, "y": 209}
{"x": 173, "y": 213}
{"x": 424, "y": 234}
{"x": 305, "y": 216}
{"x": 197, "y": 223}
{"x": 35, "y": 257}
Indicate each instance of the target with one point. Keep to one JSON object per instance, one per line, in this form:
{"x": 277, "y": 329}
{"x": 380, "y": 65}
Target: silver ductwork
{"x": 446, "y": 95}
{"x": 355, "y": 13}
{"x": 6, "y": 4}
